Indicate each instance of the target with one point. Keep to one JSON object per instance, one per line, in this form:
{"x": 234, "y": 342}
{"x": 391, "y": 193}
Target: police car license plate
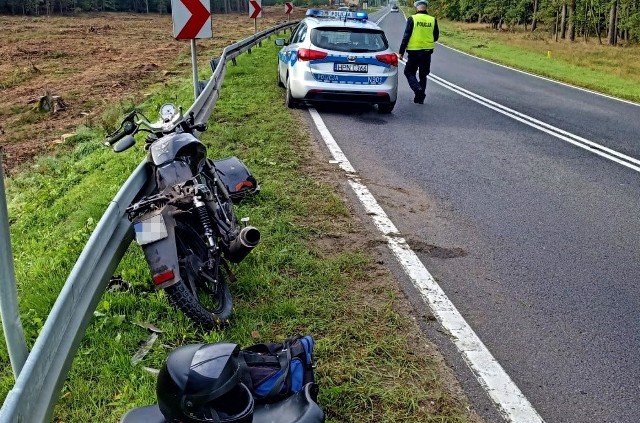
{"x": 150, "y": 230}
{"x": 350, "y": 67}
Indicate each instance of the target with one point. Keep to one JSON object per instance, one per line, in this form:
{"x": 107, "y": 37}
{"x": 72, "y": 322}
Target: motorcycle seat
{"x": 300, "y": 407}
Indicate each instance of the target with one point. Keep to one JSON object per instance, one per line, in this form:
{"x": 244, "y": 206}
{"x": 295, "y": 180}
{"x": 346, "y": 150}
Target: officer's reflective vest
{"x": 422, "y": 34}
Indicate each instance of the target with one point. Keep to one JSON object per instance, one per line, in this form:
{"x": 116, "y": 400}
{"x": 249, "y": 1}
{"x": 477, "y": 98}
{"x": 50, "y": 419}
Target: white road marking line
{"x": 529, "y": 73}
{"x": 383, "y": 16}
{"x": 576, "y": 140}
{"x": 544, "y": 77}
{"x": 513, "y": 405}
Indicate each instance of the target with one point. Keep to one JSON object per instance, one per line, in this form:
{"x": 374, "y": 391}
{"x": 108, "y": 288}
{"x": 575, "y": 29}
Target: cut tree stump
{"x": 51, "y": 103}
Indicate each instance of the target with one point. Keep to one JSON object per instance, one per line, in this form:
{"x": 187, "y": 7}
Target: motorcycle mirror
{"x": 125, "y": 143}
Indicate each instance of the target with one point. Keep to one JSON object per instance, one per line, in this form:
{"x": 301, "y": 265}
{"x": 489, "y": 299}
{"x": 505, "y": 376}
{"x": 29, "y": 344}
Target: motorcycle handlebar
{"x": 110, "y": 141}
{"x": 130, "y": 127}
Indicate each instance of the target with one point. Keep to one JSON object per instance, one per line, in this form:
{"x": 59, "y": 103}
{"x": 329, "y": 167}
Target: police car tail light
{"x": 310, "y": 54}
{"x": 389, "y": 59}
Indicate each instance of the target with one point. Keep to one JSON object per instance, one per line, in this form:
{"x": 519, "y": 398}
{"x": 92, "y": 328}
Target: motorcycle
{"x": 185, "y": 222}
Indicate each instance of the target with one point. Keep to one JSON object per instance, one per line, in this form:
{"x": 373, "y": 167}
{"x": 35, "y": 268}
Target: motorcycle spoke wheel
{"x": 206, "y": 305}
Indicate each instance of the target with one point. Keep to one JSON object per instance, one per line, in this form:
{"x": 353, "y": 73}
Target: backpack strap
{"x": 297, "y": 350}
{"x": 284, "y": 358}
{"x": 258, "y": 359}
{"x": 245, "y": 373}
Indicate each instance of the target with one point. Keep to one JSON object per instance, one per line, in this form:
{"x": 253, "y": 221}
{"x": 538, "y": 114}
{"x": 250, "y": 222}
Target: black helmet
{"x": 201, "y": 383}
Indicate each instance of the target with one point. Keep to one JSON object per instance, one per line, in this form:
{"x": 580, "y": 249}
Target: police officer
{"x": 419, "y": 39}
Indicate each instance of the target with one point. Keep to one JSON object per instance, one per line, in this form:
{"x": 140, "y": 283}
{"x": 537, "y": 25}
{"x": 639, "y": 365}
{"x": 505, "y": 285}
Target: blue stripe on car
{"x": 334, "y": 58}
{"x": 349, "y": 79}
{"x": 290, "y": 57}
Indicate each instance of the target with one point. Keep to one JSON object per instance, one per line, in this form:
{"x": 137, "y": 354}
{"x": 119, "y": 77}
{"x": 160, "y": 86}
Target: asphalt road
{"x": 533, "y": 239}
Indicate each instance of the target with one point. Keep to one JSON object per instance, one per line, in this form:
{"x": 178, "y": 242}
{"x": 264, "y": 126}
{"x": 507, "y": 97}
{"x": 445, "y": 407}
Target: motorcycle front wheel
{"x": 206, "y": 303}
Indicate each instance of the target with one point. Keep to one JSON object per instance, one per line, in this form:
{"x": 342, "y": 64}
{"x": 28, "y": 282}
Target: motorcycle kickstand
{"x": 230, "y": 275}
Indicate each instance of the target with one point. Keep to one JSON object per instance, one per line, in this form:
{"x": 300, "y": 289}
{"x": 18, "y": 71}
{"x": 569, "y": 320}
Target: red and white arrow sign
{"x": 191, "y": 19}
{"x": 288, "y": 7}
{"x": 255, "y": 9}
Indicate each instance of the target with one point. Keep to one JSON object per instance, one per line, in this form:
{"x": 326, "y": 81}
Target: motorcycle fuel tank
{"x": 168, "y": 147}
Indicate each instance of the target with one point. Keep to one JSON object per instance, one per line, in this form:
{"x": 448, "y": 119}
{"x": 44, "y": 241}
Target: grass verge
{"x": 313, "y": 273}
{"x": 610, "y": 70}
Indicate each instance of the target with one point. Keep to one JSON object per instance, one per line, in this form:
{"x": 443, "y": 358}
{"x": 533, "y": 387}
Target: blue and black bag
{"x": 275, "y": 371}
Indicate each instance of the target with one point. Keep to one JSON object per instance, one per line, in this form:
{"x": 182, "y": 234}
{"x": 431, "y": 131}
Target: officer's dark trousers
{"x": 418, "y": 61}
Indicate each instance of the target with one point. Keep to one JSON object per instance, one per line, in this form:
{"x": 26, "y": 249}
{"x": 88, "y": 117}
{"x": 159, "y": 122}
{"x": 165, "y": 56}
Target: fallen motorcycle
{"x": 186, "y": 223}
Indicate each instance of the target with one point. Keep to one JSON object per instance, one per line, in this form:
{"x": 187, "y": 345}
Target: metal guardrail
{"x": 206, "y": 101}
{"x": 11, "y": 324}
{"x": 37, "y": 387}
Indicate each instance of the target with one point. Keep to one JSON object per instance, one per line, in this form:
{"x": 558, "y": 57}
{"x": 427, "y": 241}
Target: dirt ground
{"x": 91, "y": 61}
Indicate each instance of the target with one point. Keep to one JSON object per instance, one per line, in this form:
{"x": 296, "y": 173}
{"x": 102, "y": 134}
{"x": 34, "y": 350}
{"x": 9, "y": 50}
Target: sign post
{"x": 288, "y": 8}
{"x": 192, "y": 20}
{"x": 255, "y": 12}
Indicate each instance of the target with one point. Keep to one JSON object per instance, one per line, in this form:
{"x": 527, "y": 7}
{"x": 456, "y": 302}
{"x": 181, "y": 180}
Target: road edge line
{"x": 511, "y": 402}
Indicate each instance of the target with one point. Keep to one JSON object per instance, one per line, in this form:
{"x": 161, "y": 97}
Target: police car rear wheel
{"x": 386, "y": 107}
{"x": 289, "y": 100}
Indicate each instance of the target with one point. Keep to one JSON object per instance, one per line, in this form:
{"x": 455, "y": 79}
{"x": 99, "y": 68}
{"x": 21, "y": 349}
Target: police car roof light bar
{"x": 335, "y": 14}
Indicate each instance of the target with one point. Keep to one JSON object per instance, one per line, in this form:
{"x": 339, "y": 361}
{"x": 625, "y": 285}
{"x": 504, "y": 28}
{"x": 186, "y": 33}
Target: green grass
{"x": 307, "y": 276}
{"x": 610, "y": 70}
{"x": 17, "y": 77}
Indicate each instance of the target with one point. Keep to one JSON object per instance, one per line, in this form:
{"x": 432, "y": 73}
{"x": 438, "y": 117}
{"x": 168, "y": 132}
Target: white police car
{"x": 337, "y": 56}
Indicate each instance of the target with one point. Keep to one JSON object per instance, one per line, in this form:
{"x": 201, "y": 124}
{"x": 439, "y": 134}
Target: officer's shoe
{"x": 419, "y": 97}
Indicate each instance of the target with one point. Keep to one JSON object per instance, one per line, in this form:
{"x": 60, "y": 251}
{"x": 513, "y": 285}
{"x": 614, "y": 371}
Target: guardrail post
{"x": 11, "y": 324}
{"x": 214, "y": 64}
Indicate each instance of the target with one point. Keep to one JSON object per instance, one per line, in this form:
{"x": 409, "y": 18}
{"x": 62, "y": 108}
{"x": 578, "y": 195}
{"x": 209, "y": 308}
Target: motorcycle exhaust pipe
{"x": 246, "y": 241}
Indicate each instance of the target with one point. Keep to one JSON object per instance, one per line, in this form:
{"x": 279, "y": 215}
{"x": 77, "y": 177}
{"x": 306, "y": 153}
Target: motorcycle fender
{"x": 162, "y": 255}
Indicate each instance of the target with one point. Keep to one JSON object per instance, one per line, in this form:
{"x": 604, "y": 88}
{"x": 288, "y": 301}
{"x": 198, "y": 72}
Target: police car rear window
{"x": 349, "y": 39}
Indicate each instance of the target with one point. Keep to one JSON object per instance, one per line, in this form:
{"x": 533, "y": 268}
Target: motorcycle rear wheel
{"x": 207, "y": 306}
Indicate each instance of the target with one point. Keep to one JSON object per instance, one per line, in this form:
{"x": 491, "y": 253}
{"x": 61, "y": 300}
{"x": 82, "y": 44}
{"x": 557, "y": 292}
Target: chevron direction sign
{"x": 191, "y": 19}
{"x": 255, "y": 9}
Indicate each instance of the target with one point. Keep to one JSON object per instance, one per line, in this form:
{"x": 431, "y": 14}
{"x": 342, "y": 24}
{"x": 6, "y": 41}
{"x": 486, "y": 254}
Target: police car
{"x": 335, "y": 56}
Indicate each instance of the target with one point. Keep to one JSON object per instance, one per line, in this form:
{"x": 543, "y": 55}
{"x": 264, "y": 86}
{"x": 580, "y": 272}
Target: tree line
{"x": 49, "y": 7}
{"x": 608, "y": 20}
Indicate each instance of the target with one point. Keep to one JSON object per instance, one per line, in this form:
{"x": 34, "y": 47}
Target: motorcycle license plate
{"x": 150, "y": 230}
